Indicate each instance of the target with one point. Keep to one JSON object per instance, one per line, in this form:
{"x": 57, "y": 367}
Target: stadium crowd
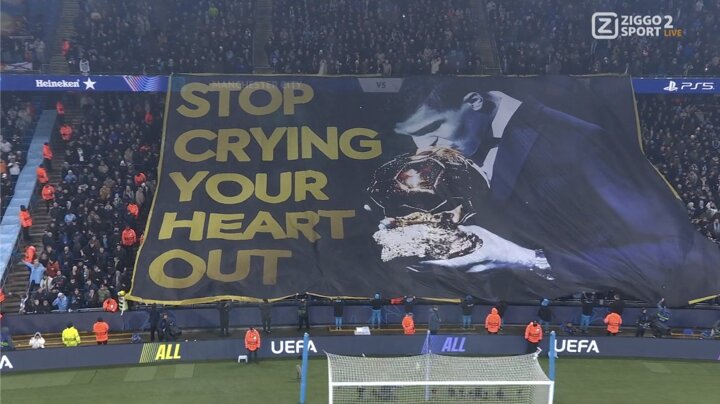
{"x": 98, "y": 208}
{"x": 142, "y": 36}
{"x": 111, "y": 158}
{"x": 21, "y": 45}
{"x": 554, "y": 37}
{"x": 17, "y": 115}
{"x": 374, "y": 37}
{"x": 681, "y": 136}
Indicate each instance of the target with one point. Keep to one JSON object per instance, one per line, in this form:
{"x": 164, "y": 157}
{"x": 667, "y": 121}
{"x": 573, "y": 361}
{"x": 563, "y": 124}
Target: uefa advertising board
{"x": 502, "y": 188}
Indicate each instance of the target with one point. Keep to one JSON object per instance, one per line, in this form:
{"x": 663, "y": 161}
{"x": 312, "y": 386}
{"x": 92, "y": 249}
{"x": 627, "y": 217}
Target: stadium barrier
{"x": 286, "y": 315}
{"x": 193, "y": 351}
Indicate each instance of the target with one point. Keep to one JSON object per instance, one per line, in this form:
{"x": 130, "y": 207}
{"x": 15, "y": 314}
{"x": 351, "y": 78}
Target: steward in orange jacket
{"x": 47, "y": 156}
{"x": 133, "y": 209}
{"x": 613, "y": 321}
{"x": 408, "y": 324}
{"x": 42, "y": 176}
{"x": 128, "y": 237}
{"x": 48, "y": 195}
{"x": 140, "y": 178}
{"x": 66, "y": 132}
{"x": 252, "y": 343}
{"x": 101, "y": 329}
{"x": 533, "y": 336}
{"x": 492, "y": 322}
{"x": 25, "y": 223}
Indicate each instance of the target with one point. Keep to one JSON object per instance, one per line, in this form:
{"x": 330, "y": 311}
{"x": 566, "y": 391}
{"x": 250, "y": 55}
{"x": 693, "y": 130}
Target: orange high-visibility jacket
{"x": 408, "y": 325}
{"x": 48, "y": 192}
{"x": 613, "y": 321}
{"x": 492, "y": 321}
{"x": 25, "y": 218}
{"x": 128, "y": 237}
{"x": 47, "y": 152}
{"x": 42, "y": 176}
{"x": 139, "y": 179}
{"x": 132, "y": 209}
{"x": 252, "y": 340}
{"x": 66, "y": 132}
{"x": 101, "y": 329}
{"x": 533, "y": 333}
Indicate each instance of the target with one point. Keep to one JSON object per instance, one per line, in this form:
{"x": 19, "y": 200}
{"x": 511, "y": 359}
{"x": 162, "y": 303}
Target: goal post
{"x": 432, "y": 378}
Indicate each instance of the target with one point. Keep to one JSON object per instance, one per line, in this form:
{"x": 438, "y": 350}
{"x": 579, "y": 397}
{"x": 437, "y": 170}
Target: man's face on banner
{"x": 458, "y": 128}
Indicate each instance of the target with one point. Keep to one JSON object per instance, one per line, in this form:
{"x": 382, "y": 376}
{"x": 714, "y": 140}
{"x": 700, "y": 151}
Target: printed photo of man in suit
{"x": 568, "y": 208}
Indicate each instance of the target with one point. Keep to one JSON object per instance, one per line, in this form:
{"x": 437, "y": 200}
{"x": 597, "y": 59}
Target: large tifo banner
{"x": 500, "y": 188}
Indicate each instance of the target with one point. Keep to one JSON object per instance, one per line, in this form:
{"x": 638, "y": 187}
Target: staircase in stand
{"x": 485, "y": 45}
{"x": 65, "y": 29}
{"x": 263, "y": 29}
{"x": 17, "y": 280}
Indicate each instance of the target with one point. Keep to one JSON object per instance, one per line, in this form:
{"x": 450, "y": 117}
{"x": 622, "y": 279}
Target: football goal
{"x": 432, "y": 378}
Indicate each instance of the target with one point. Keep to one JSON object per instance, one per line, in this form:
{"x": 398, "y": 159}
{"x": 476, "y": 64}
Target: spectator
{"x": 61, "y": 302}
{"x": 101, "y": 330}
{"x": 338, "y": 309}
{"x": 613, "y": 321}
{"x": 164, "y": 327}
{"x": 6, "y": 341}
{"x": 376, "y": 304}
{"x": 408, "y": 324}
{"x": 70, "y": 336}
{"x": 588, "y": 305}
{"x": 37, "y": 270}
{"x": 569, "y": 329}
{"x": 303, "y": 315}
{"x": 618, "y": 305}
{"x": 37, "y": 341}
{"x": 224, "y": 311}
{"x": 643, "y": 323}
{"x": 545, "y": 315}
{"x": 492, "y": 322}
{"x": 467, "y": 305}
{"x": 409, "y": 303}
{"x": 266, "y": 315}
{"x": 154, "y": 321}
{"x": 434, "y": 320}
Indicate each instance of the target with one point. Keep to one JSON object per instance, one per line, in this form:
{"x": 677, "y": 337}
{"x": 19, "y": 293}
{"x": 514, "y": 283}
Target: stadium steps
{"x": 17, "y": 280}
{"x": 263, "y": 30}
{"x": 65, "y": 29}
{"x": 485, "y": 45}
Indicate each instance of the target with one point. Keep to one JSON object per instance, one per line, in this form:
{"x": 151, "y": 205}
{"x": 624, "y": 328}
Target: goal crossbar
{"x": 443, "y": 383}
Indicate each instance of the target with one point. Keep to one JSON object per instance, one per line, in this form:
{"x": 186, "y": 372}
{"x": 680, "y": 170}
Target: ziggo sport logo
{"x": 609, "y": 25}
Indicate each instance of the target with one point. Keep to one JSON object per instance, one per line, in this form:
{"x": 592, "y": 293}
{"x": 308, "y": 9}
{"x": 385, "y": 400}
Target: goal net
{"x": 432, "y": 378}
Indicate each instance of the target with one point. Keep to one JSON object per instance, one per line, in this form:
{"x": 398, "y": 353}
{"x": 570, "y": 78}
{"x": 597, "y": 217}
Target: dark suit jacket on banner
{"x": 604, "y": 219}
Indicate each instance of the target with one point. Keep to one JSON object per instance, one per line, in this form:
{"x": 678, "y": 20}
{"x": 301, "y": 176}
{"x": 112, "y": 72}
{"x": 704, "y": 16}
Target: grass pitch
{"x": 579, "y": 381}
